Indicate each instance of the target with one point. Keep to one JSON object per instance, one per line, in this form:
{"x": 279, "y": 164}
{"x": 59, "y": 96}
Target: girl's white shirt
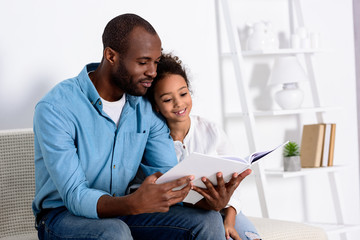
{"x": 207, "y": 138}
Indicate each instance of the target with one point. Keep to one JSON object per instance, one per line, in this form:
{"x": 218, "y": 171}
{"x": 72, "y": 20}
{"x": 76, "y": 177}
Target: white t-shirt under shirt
{"x": 207, "y": 138}
{"x": 114, "y": 109}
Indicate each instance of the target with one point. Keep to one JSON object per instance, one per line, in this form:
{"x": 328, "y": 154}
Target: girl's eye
{"x": 183, "y": 94}
{"x": 167, "y": 100}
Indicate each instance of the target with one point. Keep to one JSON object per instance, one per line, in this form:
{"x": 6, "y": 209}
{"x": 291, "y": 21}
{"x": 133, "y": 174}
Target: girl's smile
{"x": 181, "y": 113}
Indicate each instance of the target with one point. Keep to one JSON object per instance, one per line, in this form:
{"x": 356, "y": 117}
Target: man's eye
{"x": 142, "y": 63}
{"x": 183, "y": 94}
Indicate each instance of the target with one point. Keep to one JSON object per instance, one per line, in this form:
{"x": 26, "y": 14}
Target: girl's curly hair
{"x": 168, "y": 65}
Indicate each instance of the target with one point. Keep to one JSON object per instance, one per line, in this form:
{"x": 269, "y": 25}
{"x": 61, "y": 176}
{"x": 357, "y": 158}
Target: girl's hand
{"x": 231, "y": 232}
{"x": 217, "y": 197}
{"x": 229, "y": 224}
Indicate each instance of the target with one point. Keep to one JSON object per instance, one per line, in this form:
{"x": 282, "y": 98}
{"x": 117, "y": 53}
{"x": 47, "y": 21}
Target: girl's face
{"x": 172, "y": 98}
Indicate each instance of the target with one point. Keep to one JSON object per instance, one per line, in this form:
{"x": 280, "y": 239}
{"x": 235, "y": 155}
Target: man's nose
{"x": 151, "y": 71}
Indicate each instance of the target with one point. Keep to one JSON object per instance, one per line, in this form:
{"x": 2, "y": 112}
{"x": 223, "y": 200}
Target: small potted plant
{"x": 291, "y": 157}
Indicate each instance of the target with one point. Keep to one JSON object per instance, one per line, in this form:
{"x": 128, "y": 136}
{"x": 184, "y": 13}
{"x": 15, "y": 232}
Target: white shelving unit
{"x": 283, "y": 51}
{"x": 237, "y": 57}
{"x": 283, "y": 112}
{"x": 303, "y": 172}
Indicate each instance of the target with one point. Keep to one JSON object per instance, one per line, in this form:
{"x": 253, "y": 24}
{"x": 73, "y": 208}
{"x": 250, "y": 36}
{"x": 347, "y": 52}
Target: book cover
{"x": 312, "y": 145}
{"x": 332, "y": 145}
{"x": 326, "y": 145}
{"x": 201, "y": 165}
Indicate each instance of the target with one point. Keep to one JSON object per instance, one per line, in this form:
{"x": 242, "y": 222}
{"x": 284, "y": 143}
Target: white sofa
{"x": 17, "y": 186}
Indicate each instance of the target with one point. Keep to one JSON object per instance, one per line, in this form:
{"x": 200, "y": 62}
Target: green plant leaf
{"x": 291, "y": 149}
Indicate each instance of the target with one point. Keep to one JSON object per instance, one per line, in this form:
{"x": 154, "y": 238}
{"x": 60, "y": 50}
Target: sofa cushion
{"x": 271, "y": 229}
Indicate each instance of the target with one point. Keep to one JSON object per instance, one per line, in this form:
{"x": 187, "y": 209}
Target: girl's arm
{"x": 229, "y": 224}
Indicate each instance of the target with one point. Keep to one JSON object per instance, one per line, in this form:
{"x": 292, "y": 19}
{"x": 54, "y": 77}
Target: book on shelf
{"x": 317, "y": 145}
{"x": 326, "y": 145}
{"x": 332, "y": 145}
{"x": 311, "y": 145}
{"x": 201, "y": 165}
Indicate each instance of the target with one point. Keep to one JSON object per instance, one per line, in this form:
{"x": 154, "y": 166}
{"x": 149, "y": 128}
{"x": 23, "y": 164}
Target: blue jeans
{"x": 178, "y": 223}
{"x": 245, "y": 228}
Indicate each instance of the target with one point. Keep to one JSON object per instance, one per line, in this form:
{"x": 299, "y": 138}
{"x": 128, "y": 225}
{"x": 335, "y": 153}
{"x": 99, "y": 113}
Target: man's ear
{"x": 110, "y": 55}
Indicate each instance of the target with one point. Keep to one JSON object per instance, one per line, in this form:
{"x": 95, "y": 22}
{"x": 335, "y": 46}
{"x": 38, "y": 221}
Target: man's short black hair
{"x": 117, "y": 31}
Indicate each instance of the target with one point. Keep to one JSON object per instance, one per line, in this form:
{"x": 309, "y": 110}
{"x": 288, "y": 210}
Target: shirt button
{"x": 99, "y": 102}
{"x": 113, "y": 194}
{"x": 114, "y": 166}
{"x": 184, "y": 147}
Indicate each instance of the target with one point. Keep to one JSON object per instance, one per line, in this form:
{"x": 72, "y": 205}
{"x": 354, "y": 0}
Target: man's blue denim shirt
{"x": 80, "y": 153}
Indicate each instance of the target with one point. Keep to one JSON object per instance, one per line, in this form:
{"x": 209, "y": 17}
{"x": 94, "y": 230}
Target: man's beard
{"x": 125, "y": 82}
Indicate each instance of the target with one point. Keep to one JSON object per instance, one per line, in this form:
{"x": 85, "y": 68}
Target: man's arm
{"x": 150, "y": 197}
{"x": 58, "y": 153}
{"x": 59, "y": 174}
{"x": 159, "y": 155}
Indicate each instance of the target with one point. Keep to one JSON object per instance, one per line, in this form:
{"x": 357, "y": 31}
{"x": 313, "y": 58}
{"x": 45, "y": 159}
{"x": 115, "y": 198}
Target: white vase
{"x": 289, "y": 97}
{"x": 292, "y": 164}
{"x": 258, "y": 38}
{"x": 262, "y": 37}
{"x": 273, "y": 41}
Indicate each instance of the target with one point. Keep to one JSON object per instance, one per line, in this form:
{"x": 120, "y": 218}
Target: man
{"x": 92, "y": 132}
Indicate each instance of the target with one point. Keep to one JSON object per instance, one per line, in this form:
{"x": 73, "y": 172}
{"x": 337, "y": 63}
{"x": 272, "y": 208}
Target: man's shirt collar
{"x": 90, "y": 91}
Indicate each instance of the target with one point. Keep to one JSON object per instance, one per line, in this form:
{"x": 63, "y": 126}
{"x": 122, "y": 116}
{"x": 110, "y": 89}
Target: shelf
{"x": 242, "y": 61}
{"x": 282, "y": 51}
{"x": 283, "y": 112}
{"x": 332, "y": 228}
{"x": 303, "y": 172}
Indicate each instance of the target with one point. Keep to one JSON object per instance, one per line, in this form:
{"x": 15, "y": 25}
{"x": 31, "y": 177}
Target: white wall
{"x": 43, "y": 42}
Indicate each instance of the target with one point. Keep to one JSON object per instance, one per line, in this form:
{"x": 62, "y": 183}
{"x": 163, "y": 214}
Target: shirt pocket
{"x": 133, "y": 151}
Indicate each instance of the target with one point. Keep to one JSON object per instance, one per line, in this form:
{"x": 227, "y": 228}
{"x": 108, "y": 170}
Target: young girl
{"x": 170, "y": 96}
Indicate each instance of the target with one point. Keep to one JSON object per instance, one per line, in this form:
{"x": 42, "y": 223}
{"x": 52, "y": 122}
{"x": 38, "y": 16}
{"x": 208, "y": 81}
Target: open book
{"x": 201, "y": 165}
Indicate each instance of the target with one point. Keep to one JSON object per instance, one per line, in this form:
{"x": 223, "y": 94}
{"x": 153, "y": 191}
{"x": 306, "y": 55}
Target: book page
{"x": 201, "y": 165}
{"x": 234, "y": 158}
{"x": 258, "y": 155}
{"x": 252, "y": 157}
